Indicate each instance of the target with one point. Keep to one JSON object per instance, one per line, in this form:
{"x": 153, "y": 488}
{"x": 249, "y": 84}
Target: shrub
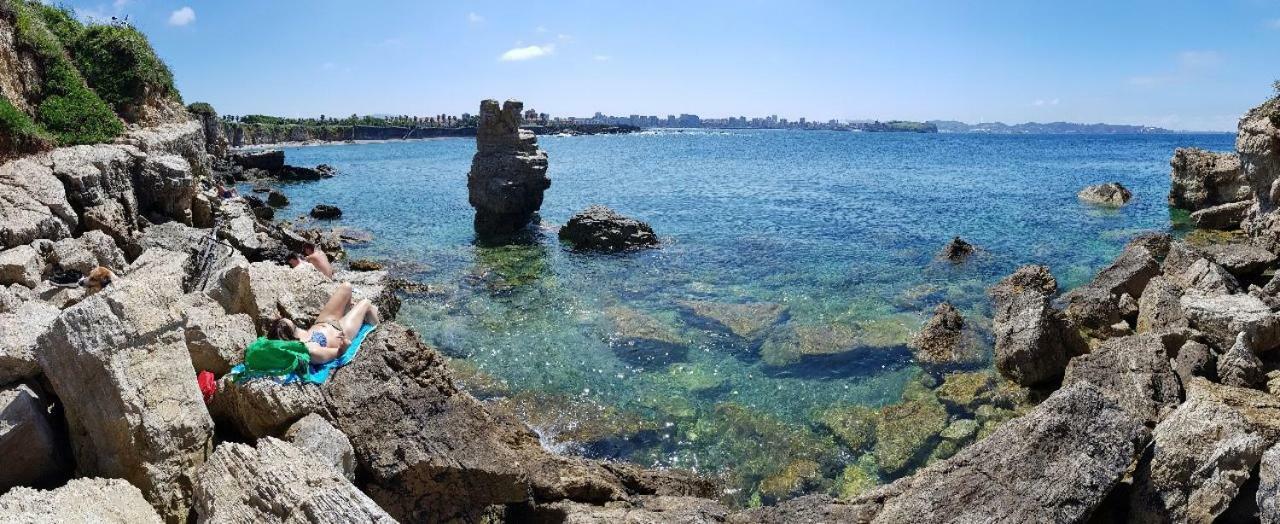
{"x": 18, "y": 134}
{"x": 202, "y": 109}
{"x": 121, "y": 66}
{"x": 60, "y": 22}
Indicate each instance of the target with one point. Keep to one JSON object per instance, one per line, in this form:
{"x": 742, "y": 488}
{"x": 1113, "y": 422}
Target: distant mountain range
{"x": 1052, "y": 128}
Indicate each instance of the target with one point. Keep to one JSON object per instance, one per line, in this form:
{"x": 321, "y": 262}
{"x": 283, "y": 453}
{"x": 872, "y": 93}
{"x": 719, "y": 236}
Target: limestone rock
{"x": 598, "y": 228}
{"x": 1160, "y": 307}
{"x": 99, "y": 183}
{"x": 259, "y": 408}
{"x": 957, "y": 250}
{"x": 1201, "y": 179}
{"x": 1222, "y": 317}
{"x": 85, "y": 500}
{"x": 215, "y": 138}
{"x": 277, "y": 482}
{"x": 508, "y": 173}
{"x": 90, "y": 250}
{"x": 794, "y": 344}
{"x": 33, "y": 204}
{"x": 21, "y": 265}
{"x": 120, "y": 366}
{"x": 32, "y": 449}
{"x": 1033, "y": 342}
{"x": 1134, "y": 372}
{"x": 215, "y": 340}
{"x": 1224, "y": 217}
{"x": 809, "y": 508}
{"x": 266, "y": 159}
{"x": 1242, "y": 260}
{"x": 1195, "y": 360}
{"x": 19, "y": 332}
{"x": 315, "y": 434}
{"x": 1240, "y": 366}
{"x": 1268, "y": 498}
{"x": 1110, "y": 194}
{"x": 748, "y": 321}
{"x": 1203, "y": 452}
{"x": 1258, "y": 143}
{"x": 266, "y": 291}
{"x": 944, "y": 339}
{"x": 644, "y": 510}
{"x": 1054, "y": 464}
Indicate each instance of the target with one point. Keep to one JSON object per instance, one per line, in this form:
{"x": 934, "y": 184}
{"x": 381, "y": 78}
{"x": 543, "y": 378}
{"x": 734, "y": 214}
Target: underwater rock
{"x": 598, "y": 228}
{"x": 857, "y": 478}
{"x": 364, "y": 264}
{"x": 854, "y": 426}
{"x": 696, "y": 378}
{"x": 794, "y": 343}
{"x": 276, "y": 198}
{"x": 944, "y": 340}
{"x": 1201, "y": 179}
{"x": 326, "y": 212}
{"x": 906, "y": 431}
{"x": 795, "y": 478}
{"x": 508, "y": 172}
{"x": 964, "y": 390}
{"x": 641, "y": 338}
{"x": 957, "y": 250}
{"x": 1110, "y": 194}
{"x": 748, "y": 321}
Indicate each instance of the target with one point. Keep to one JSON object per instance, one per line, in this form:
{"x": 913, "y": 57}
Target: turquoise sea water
{"x": 841, "y": 229}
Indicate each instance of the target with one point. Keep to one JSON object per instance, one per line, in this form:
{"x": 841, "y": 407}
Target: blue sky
{"x": 1176, "y": 64}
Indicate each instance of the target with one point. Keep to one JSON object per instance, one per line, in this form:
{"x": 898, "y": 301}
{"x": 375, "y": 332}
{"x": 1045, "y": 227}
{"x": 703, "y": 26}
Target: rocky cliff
{"x": 508, "y": 172}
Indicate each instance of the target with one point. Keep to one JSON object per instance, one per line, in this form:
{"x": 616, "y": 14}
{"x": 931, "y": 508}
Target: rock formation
{"x": 957, "y": 250}
{"x": 1033, "y": 341}
{"x": 598, "y": 228}
{"x": 1202, "y": 179}
{"x": 1110, "y": 194}
{"x": 944, "y": 340}
{"x": 81, "y": 500}
{"x": 508, "y": 173}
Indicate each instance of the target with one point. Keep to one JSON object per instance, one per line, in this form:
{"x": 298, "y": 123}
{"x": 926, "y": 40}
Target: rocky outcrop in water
{"x": 1202, "y": 179}
{"x": 957, "y": 250}
{"x": 508, "y": 173}
{"x": 1110, "y": 194}
{"x": 598, "y": 228}
{"x": 945, "y": 340}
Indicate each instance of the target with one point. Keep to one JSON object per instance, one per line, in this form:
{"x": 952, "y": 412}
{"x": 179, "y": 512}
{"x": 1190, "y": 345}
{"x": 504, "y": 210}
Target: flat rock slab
{"x": 84, "y": 500}
{"x": 1134, "y": 372}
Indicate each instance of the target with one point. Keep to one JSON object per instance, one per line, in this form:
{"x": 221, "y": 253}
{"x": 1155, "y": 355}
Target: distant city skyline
{"x": 1179, "y": 65}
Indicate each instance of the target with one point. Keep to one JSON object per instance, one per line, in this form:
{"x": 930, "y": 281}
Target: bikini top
{"x": 320, "y": 339}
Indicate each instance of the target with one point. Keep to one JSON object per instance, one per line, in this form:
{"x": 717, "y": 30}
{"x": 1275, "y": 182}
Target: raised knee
{"x": 345, "y": 286}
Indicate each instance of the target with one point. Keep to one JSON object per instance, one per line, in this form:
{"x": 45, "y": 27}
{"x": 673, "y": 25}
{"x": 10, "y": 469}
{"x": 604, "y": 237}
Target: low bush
{"x": 120, "y": 65}
{"x": 18, "y": 133}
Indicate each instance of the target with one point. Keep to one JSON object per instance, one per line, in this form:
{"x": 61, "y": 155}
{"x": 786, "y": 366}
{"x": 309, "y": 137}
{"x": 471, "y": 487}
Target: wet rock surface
{"x": 1110, "y": 194}
{"x": 598, "y": 228}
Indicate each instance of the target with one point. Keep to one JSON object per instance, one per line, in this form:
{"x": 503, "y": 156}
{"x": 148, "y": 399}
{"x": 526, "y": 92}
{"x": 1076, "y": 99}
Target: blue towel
{"x": 319, "y": 373}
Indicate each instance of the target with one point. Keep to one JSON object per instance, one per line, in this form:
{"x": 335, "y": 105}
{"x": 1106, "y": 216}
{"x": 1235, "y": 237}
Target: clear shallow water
{"x": 840, "y": 229}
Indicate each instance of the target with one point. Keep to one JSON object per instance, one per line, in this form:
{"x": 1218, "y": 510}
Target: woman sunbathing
{"x": 333, "y": 330}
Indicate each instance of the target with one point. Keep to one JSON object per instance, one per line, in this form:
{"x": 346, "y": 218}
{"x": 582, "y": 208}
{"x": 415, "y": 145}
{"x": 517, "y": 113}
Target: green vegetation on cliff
{"x": 121, "y": 66}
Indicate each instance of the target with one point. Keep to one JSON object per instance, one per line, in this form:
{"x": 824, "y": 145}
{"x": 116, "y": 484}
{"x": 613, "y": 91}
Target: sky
{"x": 1175, "y": 64}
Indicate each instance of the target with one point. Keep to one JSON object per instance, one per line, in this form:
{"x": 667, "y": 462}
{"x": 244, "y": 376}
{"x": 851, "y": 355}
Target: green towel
{"x": 267, "y": 357}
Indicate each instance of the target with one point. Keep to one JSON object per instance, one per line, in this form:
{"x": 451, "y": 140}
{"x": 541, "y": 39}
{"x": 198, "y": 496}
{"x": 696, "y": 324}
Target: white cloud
{"x": 541, "y": 29}
{"x": 1198, "y": 59}
{"x": 602, "y": 58}
{"x": 527, "y": 53}
{"x": 182, "y": 16}
{"x": 563, "y": 37}
{"x": 474, "y": 18}
{"x": 1042, "y": 102}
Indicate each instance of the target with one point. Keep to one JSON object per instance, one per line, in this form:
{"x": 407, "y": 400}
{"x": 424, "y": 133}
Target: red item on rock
{"x": 208, "y": 385}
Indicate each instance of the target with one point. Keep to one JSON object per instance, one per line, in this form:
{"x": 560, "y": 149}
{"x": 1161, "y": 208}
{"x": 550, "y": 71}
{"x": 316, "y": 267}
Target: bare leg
{"x": 337, "y": 303}
{"x": 318, "y": 259}
{"x": 355, "y": 318}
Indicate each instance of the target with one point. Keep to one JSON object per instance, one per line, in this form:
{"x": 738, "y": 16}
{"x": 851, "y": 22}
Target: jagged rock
{"x": 1258, "y": 143}
{"x": 364, "y": 264}
{"x": 21, "y": 265}
{"x": 215, "y": 340}
{"x": 1033, "y": 341}
{"x": 1054, "y": 464}
{"x": 215, "y": 138}
{"x": 1195, "y": 360}
{"x": 326, "y": 212}
{"x": 277, "y": 199}
{"x": 1110, "y": 194}
{"x": 81, "y": 500}
{"x": 1202, "y": 179}
{"x": 13, "y": 297}
{"x": 748, "y": 321}
{"x": 957, "y": 250}
{"x": 1203, "y": 452}
{"x": 315, "y": 434}
{"x": 266, "y": 159}
{"x": 19, "y": 333}
{"x": 598, "y": 228}
{"x": 1189, "y": 269}
{"x": 1156, "y": 243}
{"x": 120, "y": 366}
{"x": 685, "y": 510}
{"x": 32, "y": 449}
{"x": 265, "y": 291}
{"x": 277, "y": 482}
{"x": 508, "y": 173}
{"x": 1242, "y": 260}
{"x": 1130, "y": 271}
{"x": 810, "y": 508}
{"x": 1223, "y": 217}
{"x": 1268, "y": 497}
{"x": 99, "y": 184}
{"x": 1222, "y": 317}
{"x": 259, "y": 408}
{"x": 1134, "y": 372}
{"x": 240, "y": 227}
{"x": 1240, "y": 366}
{"x": 945, "y": 340}
{"x": 90, "y": 250}
{"x": 165, "y": 184}
{"x": 33, "y": 204}
{"x": 1160, "y": 308}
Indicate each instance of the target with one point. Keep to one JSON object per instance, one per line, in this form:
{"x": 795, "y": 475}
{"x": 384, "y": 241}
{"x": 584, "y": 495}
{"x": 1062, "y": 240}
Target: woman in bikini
{"x": 333, "y": 330}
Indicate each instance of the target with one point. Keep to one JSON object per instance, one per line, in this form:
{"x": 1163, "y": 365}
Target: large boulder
{"x": 263, "y": 407}
{"x": 316, "y": 435}
{"x": 1203, "y": 453}
{"x": 119, "y": 363}
{"x": 90, "y": 250}
{"x": 215, "y": 340}
{"x": 685, "y": 510}
{"x": 598, "y": 228}
{"x": 21, "y": 265}
{"x": 1224, "y": 217}
{"x": 1110, "y": 194}
{"x": 508, "y": 173}
{"x": 19, "y": 333}
{"x": 1054, "y": 464}
{"x": 1134, "y": 372}
{"x": 265, "y": 159}
{"x": 99, "y": 184}
{"x": 1222, "y": 317}
{"x": 1258, "y": 143}
{"x": 33, "y": 204}
{"x": 276, "y": 482}
{"x": 265, "y": 291}
{"x": 1201, "y": 179}
{"x": 1242, "y": 260}
{"x": 165, "y": 185}
{"x": 31, "y": 447}
{"x": 945, "y": 339}
{"x": 1160, "y": 307}
{"x": 84, "y": 500}
{"x": 1240, "y": 366}
{"x": 1033, "y": 341}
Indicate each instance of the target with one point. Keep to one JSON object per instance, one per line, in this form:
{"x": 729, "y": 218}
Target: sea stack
{"x": 508, "y": 173}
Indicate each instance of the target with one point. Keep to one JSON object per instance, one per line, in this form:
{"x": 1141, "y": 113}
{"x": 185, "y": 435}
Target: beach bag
{"x": 267, "y": 357}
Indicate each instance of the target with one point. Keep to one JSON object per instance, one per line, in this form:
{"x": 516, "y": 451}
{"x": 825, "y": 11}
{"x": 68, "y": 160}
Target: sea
{"x": 794, "y": 269}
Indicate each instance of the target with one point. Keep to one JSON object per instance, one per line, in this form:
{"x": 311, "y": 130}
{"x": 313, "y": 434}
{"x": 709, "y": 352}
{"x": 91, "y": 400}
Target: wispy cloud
{"x": 564, "y": 38}
{"x": 1188, "y": 65}
{"x": 183, "y": 16}
{"x": 1043, "y": 102}
{"x": 1273, "y": 23}
{"x": 474, "y": 18}
{"x": 540, "y": 29}
{"x": 1198, "y": 59}
{"x": 602, "y": 58}
{"x": 527, "y": 53}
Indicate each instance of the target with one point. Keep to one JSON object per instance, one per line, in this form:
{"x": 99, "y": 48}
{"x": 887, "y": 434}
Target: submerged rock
{"x": 854, "y": 426}
{"x": 598, "y": 228}
{"x": 906, "y": 431}
{"x": 957, "y": 250}
{"x": 1201, "y": 179}
{"x": 640, "y": 338}
{"x": 748, "y": 321}
{"x": 81, "y": 500}
{"x": 508, "y": 172}
{"x": 795, "y": 343}
{"x": 1110, "y": 194}
{"x": 944, "y": 339}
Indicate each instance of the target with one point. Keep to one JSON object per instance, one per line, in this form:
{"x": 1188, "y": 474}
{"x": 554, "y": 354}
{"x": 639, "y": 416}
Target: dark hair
{"x": 308, "y": 246}
{"x": 282, "y": 329}
{"x": 291, "y": 257}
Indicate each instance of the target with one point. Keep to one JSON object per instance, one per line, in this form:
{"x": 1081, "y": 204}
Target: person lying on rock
{"x": 314, "y": 256}
{"x": 333, "y": 330}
